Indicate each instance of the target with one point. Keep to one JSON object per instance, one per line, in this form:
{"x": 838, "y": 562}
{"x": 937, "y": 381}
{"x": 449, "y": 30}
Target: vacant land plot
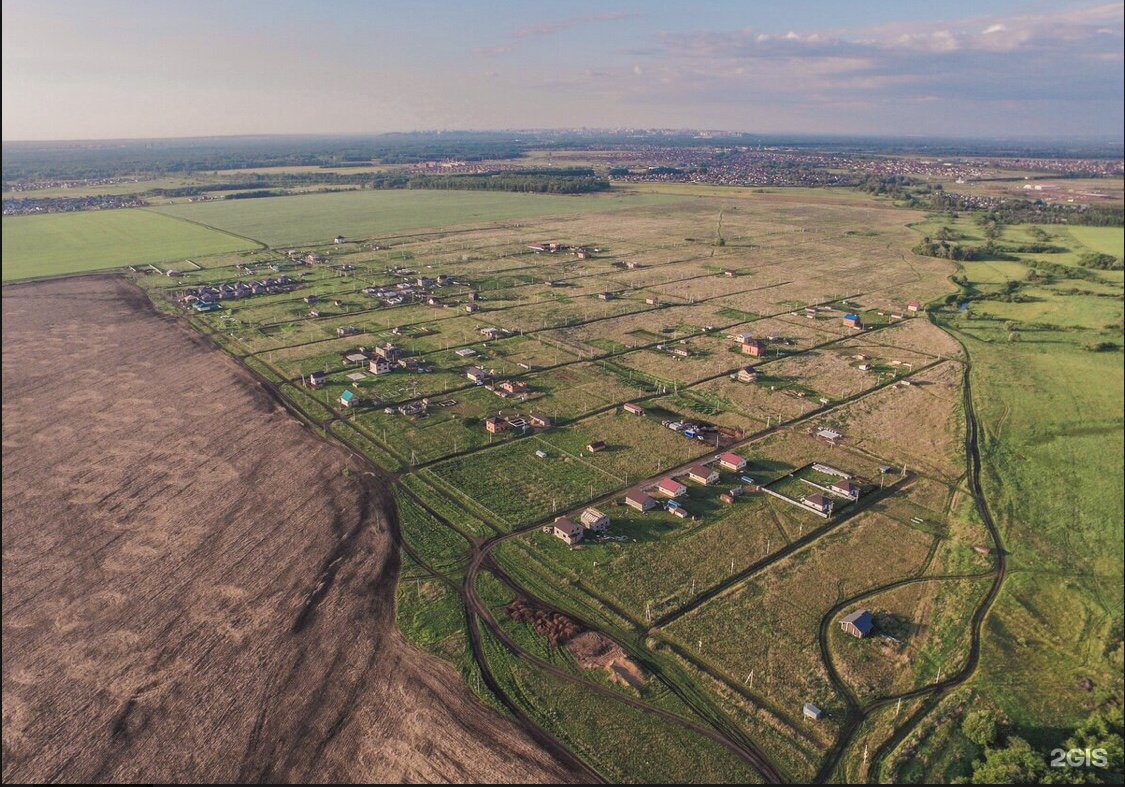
{"x": 919, "y": 634}
{"x": 76, "y": 242}
{"x": 512, "y": 486}
{"x": 921, "y": 425}
{"x": 182, "y": 605}
{"x": 363, "y": 214}
{"x": 739, "y": 630}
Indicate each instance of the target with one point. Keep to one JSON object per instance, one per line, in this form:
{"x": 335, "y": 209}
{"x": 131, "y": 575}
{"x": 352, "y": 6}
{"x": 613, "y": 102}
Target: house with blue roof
{"x": 348, "y": 398}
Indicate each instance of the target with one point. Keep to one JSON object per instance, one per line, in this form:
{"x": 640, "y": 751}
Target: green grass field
{"x": 62, "y": 243}
{"x": 317, "y": 218}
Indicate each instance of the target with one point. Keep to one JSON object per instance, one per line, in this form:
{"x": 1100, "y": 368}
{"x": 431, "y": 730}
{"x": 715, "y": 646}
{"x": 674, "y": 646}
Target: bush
{"x": 981, "y": 728}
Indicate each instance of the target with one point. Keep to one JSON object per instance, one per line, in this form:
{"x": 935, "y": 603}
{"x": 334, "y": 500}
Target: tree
{"x": 1016, "y": 763}
{"x": 981, "y": 727}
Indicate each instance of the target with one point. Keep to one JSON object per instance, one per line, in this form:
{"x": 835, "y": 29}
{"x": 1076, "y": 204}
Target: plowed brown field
{"x": 195, "y": 588}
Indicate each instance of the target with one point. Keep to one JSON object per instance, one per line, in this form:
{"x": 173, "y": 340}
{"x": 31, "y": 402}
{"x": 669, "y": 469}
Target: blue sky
{"x": 98, "y": 69}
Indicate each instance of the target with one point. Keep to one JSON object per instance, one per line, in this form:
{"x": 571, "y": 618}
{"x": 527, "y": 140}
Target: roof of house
{"x": 638, "y": 497}
{"x": 671, "y": 484}
{"x": 732, "y": 459}
{"x": 845, "y": 486}
{"x": 703, "y": 471}
{"x": 817, "y": 500}
{"x": 568, "y": 526}
{"x": 851, "y": 317}
{"x": 861, "y": 619}
{"x": 347, "y": 396}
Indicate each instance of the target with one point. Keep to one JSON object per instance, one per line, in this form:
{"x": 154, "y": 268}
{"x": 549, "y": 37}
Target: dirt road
{"x": 194, "y": 587}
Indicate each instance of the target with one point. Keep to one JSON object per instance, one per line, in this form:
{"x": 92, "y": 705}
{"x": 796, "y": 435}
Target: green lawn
{"x": 62, "y": 243}
{"x": 316, "y": 218}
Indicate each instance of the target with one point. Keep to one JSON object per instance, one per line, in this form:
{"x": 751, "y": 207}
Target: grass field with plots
{"x": 514, "y": 486}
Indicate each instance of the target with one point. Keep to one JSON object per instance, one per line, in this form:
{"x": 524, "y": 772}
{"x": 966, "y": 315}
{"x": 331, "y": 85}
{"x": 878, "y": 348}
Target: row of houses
{"x": 207, "y": 293}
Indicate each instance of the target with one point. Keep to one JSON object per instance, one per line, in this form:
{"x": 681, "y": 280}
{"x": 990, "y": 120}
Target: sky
{"x": 108, "y": 69}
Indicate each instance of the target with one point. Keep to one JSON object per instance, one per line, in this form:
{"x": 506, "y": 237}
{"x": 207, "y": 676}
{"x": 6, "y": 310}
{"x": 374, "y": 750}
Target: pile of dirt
{"x": 593, "y": 650}
{"x": 555, "y": 627}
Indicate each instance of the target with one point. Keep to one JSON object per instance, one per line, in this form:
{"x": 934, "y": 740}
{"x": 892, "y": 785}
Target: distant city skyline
{"x": 993, "y": 68}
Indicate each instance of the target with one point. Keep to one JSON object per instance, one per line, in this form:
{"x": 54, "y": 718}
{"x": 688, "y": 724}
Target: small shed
{"x": 594, "y": 447}
{"x": 348, "y": 398}
{"x": 635, "y": 409}
{"x": 812, "y": 712}
{"x": 316, "y": 379}
{"x": 859, "y": 624}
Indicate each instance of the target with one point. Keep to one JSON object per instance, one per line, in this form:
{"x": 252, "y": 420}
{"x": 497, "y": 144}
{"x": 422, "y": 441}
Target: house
{"x": 702, "y": 474}
{"x": 495, "y": 424}
{"x": 742, "y": 338}
{"x": 492, "y": 333}
{"x": 541, "y": 454}
{"x": 476, "y": 374}
{"x": 472, "y": 308}
{"x": 818, "y": 503}
{"x": 846, "y": 489}
{"x": 635, "y": 409}
{"x": 379, "y": 366}
{"x": 568, "y": 530}
{"x": 853, "y": 321}
{"x": 672, "y": 488}
{"x": 316, "y": 379}
{"x": 338, "y": 239}
{"x": 348, "y": 398}
{"x": 640, "y": 501}
{"x": 680, "y": 512}
{"x": 812, "y": 712}
{"x": 747, "y": 374}
{"x": 388, "y": 351}
{"x": 205, "y": 306}
{"x": 864, "y": 367}
{"x": 633, "y": 266}
{"x": 652, "y": 300}
{"x": 346, "y": 330}
{"x": 594, "y": 447}
{"x": 473, "y": 295}
{"x": 681, "y": 352}
{"x": 728, "y": 273}
{"x": 310, "y": 299}
{"x": 914, "y": 306}
{"x": 859, "y": 624}
{"x": 605, "y": 296}
{"x": 594, "y": 520}
{"x": 540, "y": 420}
{"x": 754, "y": 348}
{"x": 513, "y": 387}
{"x": 732, "y": 462}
